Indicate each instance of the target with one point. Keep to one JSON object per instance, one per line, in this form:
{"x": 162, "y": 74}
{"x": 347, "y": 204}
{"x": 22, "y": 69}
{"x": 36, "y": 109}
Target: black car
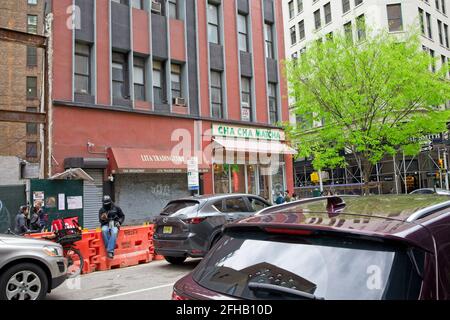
{"x": 190, "y": 227}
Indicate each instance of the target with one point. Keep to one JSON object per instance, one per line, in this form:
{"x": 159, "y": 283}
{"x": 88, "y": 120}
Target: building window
{"x": 441, "y": 37}
{"x": 32, "y": 128}
{"x": 175, "y": 79}
{"x": 124, "y": 2}
{"x": 293, "y": 33}
{"x": 422, "y": 24}
{"x": 433, "y": 63}
{"x": 301, "y": 27}
{"x": 317, "y": 21}
{"x": 32, "y": 22}
{"x": 120, "y": 76}
{"x": 270, "y": 52}
{"x": 31, "y": 56}
{"x": 137, "y": 4}
{"x": 327, "y": 11}
{"x": 444, "y": 8}
{"x": 243, "y": 33}
{"x": 82, "y": 69}
{"x": 273, "y": 103}
{"x": 361, "y": 27}
{"x": 158, "y": 82}
{"x": 358, "y": 2}
{"x": 348, "y": 31}
{"x": 299, "y": 6}
{"x": 291, "y": 9}
{"x": 213, "y": 24}
{"x": 139, "y": 78}
{"x": 216, "y": 94}
{"x": 31, "y": 87}
{"x": 32, "y": 2}
{"x": 446, "y": 35}
{"x": 345, "y": 6}
{"x": 394, "y": 13}
{"x": 429, "y": 30}
{"x": 437, "y": 4}
{"x": 173, "y": 9}
{"x": 31, "y": 151}
{"x": 246, "y": 97}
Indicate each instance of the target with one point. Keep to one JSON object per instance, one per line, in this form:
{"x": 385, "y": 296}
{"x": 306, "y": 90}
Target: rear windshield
{"x": 180, "y": 207}
{"x": 328, "y": 268}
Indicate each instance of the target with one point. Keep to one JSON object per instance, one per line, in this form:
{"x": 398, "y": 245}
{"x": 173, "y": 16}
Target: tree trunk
{"x": 367, "y": 168}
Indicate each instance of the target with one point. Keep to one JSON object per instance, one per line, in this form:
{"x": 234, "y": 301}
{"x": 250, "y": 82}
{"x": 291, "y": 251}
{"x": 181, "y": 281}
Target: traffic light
{"x": 441, "y": 163}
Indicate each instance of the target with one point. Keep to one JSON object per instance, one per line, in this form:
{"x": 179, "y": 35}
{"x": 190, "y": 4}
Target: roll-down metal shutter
{"x": 93, "y": 193}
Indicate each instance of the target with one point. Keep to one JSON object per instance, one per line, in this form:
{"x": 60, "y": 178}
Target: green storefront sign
{"x": 247, "y": 132}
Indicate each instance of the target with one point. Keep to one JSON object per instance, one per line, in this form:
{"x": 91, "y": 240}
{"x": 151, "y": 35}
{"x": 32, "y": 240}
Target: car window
{"x": 330, "y": 268}
{"x": 218, "y": 205}
{"x": 235, "y": 205}
{"x": 256, "y": 204}
{"x": 179, "y": 207}
{"x": 423, "y": 191}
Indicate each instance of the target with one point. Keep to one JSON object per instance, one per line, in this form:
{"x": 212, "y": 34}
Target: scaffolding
{"x": 399, "y": 174}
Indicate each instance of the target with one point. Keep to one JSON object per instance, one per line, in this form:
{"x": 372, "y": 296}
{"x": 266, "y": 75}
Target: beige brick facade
{"x": 13, "y": 77}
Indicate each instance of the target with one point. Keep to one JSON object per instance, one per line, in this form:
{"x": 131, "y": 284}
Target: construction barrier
{"x": 134, "y": 246}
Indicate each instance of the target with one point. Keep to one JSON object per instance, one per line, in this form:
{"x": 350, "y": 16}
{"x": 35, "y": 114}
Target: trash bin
{"x": 316, "y": 193}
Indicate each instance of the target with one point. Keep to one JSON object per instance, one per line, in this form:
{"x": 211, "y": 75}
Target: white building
{"x": 307, "y": 20}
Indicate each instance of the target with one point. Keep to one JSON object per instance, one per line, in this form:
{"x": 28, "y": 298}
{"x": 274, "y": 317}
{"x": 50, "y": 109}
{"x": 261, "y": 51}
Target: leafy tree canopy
{"x": 375, "y": 97}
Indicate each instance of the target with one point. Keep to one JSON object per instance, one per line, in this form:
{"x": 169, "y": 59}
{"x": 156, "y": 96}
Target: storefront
{"x": 250, "y": 160}
{"x": 145, "y": 180}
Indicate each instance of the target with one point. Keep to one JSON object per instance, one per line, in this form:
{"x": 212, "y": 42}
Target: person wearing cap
{"x": 21, "y": 221}
{"x": 111, "y": 218}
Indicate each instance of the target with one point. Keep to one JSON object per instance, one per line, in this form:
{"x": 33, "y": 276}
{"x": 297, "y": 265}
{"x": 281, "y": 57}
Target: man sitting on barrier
{"x": 111, "y": 218}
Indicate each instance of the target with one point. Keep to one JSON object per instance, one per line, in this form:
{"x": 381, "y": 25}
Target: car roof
{"x": 214, "y": 197}
{"x": 391, "y": 216}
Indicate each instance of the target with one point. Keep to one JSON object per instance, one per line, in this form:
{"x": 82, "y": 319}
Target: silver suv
{"x": 29, "y": 268}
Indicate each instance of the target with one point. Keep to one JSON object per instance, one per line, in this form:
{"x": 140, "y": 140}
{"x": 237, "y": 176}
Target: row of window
{"x": 440, "y": 5}
{"x": 427, "y": 30}
{"x": 173, "y": 9}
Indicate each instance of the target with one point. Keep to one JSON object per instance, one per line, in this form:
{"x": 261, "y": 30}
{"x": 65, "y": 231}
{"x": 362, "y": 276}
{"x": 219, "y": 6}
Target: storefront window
{"x": 237, "y": 178}
{"x": 221, "y": 179}
{"x": 251, "y": 179}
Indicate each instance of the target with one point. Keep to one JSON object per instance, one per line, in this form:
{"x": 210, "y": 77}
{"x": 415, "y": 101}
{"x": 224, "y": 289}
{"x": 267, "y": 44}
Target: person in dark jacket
{"x": 111, "y": 218}
{"x": 21, "y": 221}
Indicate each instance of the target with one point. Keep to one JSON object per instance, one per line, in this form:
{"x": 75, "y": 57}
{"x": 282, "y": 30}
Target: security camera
{"x": 90, "y": 145}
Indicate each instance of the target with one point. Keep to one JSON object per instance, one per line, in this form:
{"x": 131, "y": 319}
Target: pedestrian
{"x": 21, "y": 226}
{"x": 287, "y": 197}
{"x": 294, "y": 196}
{"x": 111, "y": 218}
{"x": 35, "y": 220}
{"x": 280, "y": 199}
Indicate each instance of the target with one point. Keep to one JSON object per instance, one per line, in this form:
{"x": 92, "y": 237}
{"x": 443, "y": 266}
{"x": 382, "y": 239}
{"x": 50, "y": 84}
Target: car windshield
{"x": 325, "y": 268}
{"x": 180, "y": 207}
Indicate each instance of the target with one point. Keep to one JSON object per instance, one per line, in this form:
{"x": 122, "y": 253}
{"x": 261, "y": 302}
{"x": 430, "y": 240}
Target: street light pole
{"x": 446, "y": 169}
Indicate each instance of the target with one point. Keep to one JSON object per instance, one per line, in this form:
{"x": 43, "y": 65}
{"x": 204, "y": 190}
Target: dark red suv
{"x": 336, "y": 248}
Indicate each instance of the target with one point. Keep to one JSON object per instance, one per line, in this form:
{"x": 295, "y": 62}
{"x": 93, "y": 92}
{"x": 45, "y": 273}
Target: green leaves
{"x": 374, "y": 97}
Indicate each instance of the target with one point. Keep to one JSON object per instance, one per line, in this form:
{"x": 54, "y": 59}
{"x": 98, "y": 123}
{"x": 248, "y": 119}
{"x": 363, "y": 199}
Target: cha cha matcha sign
{"x": 223, "y": 130}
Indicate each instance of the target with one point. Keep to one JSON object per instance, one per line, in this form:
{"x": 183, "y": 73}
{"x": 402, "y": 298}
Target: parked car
{"x": 190, "y": 227}
{"x": 431, "y": 191}
{"x": 29, "y": 268}
{"x": 335, "y": 248}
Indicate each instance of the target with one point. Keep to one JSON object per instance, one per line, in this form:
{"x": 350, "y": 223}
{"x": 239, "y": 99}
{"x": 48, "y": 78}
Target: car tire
{"x": 175, "y": 260}
{"x": 35, "y": 286}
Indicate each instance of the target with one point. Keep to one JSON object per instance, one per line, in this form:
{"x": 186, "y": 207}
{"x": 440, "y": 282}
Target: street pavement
{"x": 152, "y": 281}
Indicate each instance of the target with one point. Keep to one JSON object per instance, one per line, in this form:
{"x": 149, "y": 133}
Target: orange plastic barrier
{"x": 134, "y": 246}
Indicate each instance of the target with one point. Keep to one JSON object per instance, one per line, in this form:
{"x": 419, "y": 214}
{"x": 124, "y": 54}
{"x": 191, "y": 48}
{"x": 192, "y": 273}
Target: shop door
{"x": 265, "y": 189}
{"x": 93, "y": 193}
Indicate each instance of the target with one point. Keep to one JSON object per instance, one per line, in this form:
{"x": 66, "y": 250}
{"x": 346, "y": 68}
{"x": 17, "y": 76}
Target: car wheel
{"x": 175, "y": 260}
{"x": 25, "y": 281}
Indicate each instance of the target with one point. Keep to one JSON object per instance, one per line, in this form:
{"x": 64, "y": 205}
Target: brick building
{"x": 21, "y": 78}
{"x": 130, "y": 78}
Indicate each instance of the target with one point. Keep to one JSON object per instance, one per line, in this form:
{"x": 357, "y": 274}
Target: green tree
{"x": 375, "y": 97}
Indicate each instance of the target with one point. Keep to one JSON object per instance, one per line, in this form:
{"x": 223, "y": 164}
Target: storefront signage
{"x": 161, "y": 158}
{"x": 193, "y": 176}
{"x": 247, "y": 132}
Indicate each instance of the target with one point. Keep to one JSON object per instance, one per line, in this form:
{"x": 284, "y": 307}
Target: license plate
{"x": 167, "y": 230}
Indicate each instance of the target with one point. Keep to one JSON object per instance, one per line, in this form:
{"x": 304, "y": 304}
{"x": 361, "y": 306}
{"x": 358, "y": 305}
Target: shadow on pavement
{"x": 188, "y": 265}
